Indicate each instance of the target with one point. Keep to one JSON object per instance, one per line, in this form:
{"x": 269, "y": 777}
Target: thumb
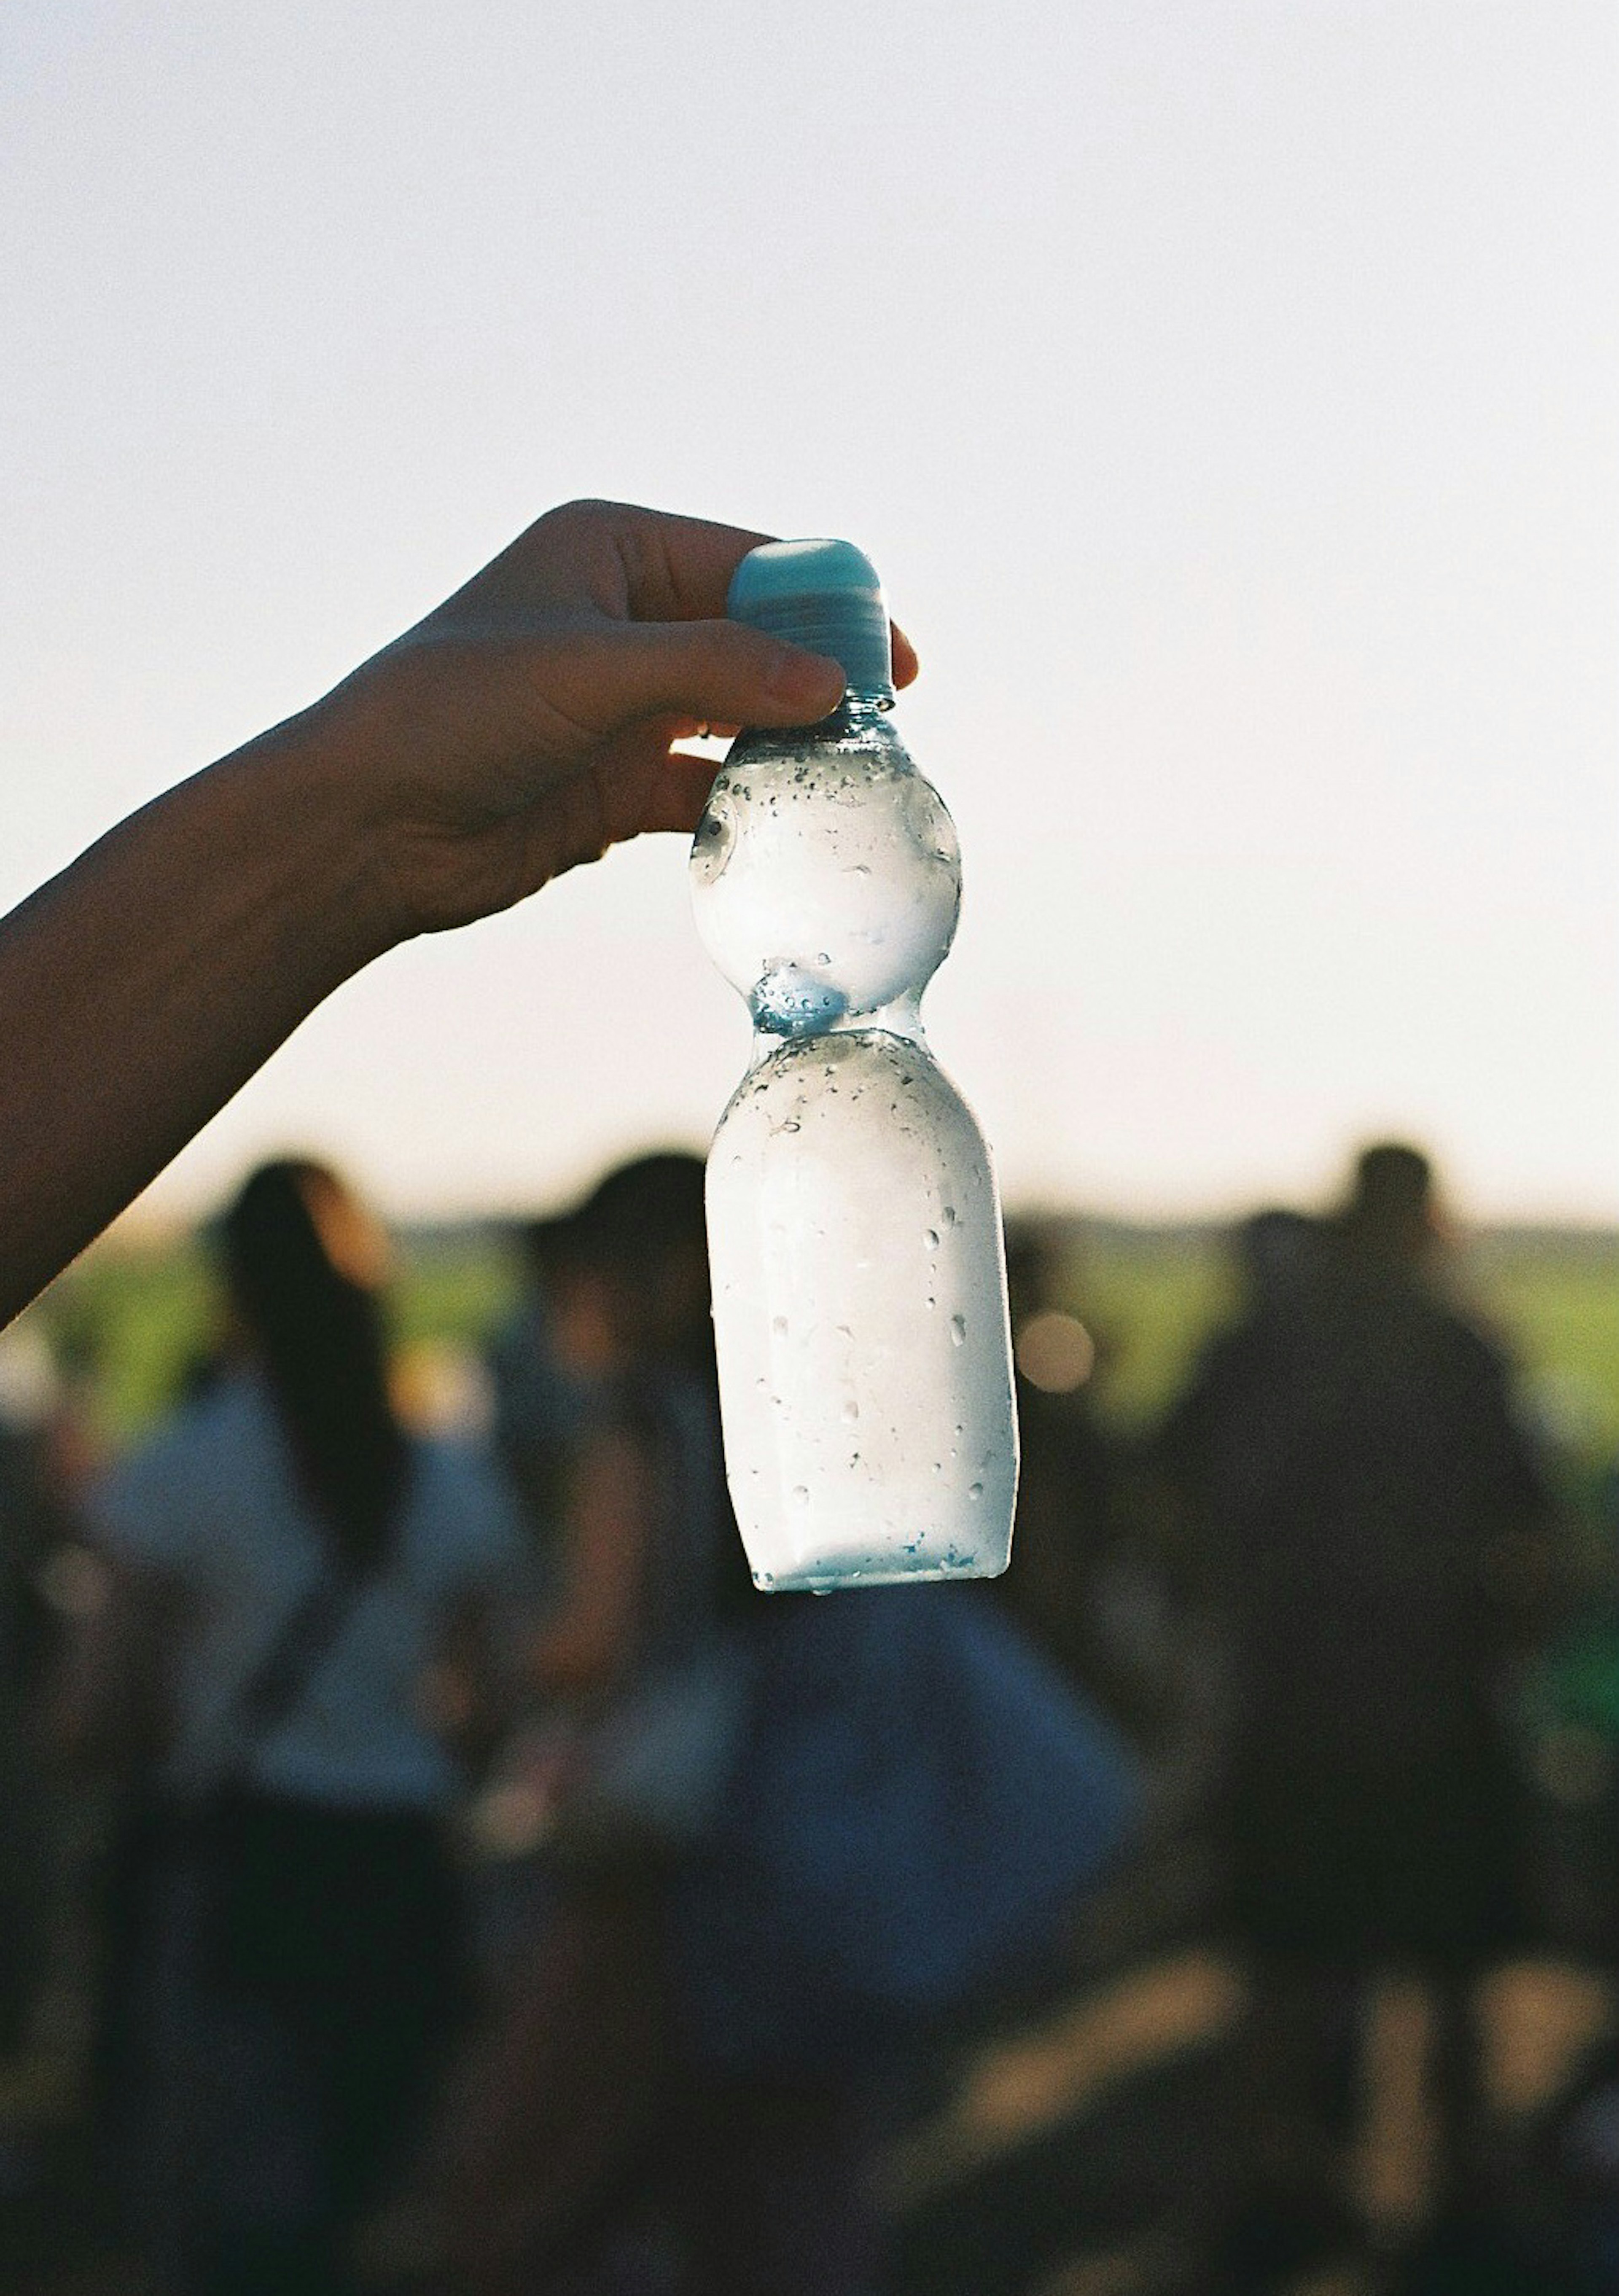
{"x": 718, "y": 672}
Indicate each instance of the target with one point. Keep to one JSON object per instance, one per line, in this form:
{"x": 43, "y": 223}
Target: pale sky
{"x": 1229, "y": 393}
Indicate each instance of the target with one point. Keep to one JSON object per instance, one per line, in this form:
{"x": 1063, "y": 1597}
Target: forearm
{"x": 140, "y": 989}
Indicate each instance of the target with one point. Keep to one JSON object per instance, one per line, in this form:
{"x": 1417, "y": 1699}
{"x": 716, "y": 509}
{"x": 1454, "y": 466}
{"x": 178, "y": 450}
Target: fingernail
{"x": 807, "y": 680}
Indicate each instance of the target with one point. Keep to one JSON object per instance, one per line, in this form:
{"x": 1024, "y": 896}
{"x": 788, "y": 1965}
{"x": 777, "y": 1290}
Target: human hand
{"x": 534, "y": 718}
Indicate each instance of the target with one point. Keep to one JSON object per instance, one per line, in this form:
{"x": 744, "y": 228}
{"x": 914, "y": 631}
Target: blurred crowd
{"x": 428, "y": 1864}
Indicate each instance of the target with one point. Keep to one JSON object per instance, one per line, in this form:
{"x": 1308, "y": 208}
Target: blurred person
{"x": 37, "y": 1531}
{"x": 524, "y": 725}
{"x": 556, "y": 2106}
{"x": 288, "y": 1564}
{"x": 1211, "y": 1441}
{"x": 647, "y": 1517}
{"x": 1365, "y": 1497}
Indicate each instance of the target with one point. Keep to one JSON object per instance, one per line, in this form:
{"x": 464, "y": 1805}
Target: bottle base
{"x": 833, "y": 1573}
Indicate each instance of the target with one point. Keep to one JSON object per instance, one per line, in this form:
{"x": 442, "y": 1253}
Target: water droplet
{"x": 930, "y": 1240}
{"x": 958, "y": 1330}
{"x": 975, "y": 1491}
{"x": 801, "y": 1493}
{"x": 823, "y": 956}
{"x": 948, "y": 1215}
{"x": 851, "y": 1411}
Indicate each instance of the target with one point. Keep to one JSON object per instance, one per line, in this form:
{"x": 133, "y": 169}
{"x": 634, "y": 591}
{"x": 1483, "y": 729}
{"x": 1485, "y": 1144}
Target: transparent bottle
{"x": 854, "y": 1224}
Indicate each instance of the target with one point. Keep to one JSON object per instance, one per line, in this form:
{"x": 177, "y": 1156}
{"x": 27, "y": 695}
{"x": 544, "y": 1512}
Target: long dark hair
{"x": 292, "y": 1248}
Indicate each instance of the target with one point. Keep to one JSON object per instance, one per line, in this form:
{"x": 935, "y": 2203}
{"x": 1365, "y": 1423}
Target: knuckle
{"x": 584, "y": 513}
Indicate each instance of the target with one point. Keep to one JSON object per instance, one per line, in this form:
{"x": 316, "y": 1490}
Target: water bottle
{"x": 854, "y": 1225}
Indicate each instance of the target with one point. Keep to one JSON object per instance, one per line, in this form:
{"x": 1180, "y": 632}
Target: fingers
{"x": 672, "y": 568}
{"x": 680, "y": 569}
{"x": 629, "y": 564}
{"x": 677, "y": 569}
{"x": 711, "y": 672}
{"x": 644, "y": 783}
{"x": 679, "y": 791}
{"x": 647, "y": 564}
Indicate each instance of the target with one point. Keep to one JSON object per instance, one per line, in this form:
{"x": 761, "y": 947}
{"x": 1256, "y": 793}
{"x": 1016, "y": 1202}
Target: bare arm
{"x": 592, "y": 1631}
{"x": 528, "y": 723}
{"x": 143, "y": 985}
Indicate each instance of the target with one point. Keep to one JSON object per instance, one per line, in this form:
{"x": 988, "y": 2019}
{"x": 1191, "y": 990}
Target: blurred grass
{"x": 128, "y": 1322}
{"x": 1556, "y": 1304}
{"x": 1148, "y": 1298}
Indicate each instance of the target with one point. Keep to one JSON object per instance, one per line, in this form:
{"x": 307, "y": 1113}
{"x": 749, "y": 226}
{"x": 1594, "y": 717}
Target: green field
{"x": 129, "y": 1321}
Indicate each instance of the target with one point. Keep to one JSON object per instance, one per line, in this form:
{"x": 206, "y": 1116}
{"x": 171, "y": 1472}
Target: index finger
{"x": 677, "y": 570}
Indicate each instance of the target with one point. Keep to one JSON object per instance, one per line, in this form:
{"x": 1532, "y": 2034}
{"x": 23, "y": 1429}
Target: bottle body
{"x": 854, "y": 1235}
{"x": 854, "y": 1224}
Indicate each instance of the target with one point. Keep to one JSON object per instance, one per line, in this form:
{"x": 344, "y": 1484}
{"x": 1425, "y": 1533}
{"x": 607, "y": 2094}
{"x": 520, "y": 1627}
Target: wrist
{"x": 303, "y": 792}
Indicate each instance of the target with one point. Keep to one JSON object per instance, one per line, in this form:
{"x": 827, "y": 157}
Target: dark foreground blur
{"x": 609, "y": 1930}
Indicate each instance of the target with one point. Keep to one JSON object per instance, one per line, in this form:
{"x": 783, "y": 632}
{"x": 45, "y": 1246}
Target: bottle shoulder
{"x": 883, "y": 1084}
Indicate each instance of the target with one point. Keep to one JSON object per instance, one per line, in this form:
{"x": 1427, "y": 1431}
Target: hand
{"x": 525, "y": 725}
{"x": 533, "y": 719}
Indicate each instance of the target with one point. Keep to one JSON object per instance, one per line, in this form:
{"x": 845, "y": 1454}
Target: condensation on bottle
{"x": 854, "y": 1222}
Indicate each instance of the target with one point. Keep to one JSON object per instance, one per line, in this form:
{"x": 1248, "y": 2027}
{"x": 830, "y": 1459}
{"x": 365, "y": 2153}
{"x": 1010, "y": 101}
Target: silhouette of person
{"x": 1361, "y": 1485}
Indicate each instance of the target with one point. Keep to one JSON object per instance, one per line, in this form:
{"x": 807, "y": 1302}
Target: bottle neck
{"x": 903, "y": 1017}
{"x": 861, "y": 711}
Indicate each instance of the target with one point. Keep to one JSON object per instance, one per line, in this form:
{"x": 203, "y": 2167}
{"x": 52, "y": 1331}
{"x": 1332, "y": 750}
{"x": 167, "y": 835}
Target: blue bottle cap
{"x": 824, "y": 595}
